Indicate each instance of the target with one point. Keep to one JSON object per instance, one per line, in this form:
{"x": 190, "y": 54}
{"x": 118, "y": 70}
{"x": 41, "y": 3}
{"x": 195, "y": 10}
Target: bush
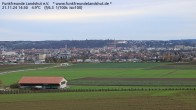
{"x": 1, "y": 85}
{"x": 14, "y": 86}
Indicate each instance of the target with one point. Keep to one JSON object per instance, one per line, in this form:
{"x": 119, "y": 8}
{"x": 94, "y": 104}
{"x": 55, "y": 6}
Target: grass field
{"x": 110, "y": 70}
{"x": 134, "y": 100}
{"x": 14, "y": 67}
{"x": 111, "y": 73}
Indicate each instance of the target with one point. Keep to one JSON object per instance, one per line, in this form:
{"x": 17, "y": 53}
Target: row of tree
{"x": 55, "y": 60}
{"x": 0, "y": 83}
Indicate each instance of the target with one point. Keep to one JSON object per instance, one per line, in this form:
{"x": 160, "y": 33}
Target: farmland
{"x": 142, "y": 100}
{"x": 23, "y": 66}
{"x": 76, "y": 73}
{"x": 110, "y": 76}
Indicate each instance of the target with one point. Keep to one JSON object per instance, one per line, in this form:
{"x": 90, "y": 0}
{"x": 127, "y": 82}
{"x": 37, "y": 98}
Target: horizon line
{"x": 91, "y": 39}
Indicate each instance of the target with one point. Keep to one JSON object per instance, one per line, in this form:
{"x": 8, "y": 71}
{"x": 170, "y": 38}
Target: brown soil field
{"x": 129, "y": 103}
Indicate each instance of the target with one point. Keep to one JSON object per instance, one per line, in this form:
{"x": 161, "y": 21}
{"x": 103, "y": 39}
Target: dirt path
{"x": 7, "y": 72}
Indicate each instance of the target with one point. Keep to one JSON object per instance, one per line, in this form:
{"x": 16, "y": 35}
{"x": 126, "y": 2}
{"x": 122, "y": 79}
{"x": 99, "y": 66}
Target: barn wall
{"x": 64, "y": 84}
{"x": 40, "y": 86}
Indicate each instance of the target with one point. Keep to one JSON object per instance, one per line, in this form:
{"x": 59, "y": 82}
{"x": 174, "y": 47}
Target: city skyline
{"x": 121, "y": 20}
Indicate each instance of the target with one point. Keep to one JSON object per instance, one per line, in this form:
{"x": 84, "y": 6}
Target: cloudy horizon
{"x": 122, "y": 20}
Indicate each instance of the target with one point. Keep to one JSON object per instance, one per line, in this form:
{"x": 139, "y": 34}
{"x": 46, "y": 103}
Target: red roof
{"x": 40, "y": 80}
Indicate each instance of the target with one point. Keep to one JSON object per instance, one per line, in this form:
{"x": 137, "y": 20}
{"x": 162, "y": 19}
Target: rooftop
{"x": 40, "y": 80}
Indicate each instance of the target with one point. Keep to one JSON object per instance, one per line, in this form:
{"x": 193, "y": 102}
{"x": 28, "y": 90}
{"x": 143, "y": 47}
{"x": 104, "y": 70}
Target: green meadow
{"x": 109, "y": 70}
{"x": 14, "y": 67}
{"x": 134, "y": 100}
{"x": 107, "y": 100}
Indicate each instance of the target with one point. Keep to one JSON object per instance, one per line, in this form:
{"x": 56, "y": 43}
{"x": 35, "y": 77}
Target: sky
{"x": 121, "y": 20}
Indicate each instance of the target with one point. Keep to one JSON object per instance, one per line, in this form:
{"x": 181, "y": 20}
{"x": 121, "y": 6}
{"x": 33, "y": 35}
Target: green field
{"x": 134, "y": 100}
{"x": 109, "y": 100}
{"x": 14, "y": 67}
{"x": 109, "y": 70}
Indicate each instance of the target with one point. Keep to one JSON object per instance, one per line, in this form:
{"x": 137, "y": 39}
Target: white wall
{"x": 64, "y": 85}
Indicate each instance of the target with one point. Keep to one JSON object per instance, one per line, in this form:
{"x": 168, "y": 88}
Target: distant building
{"x": 64, "y": 55}
{"x": 42, "y": 57}
{"x": 88, "y": 60}
{"x": 122, "y": 42}
{"x": 10, "y": 53}
{"x": 179, "y": 47}
{"x": 79, "y": 60}
{"x": 43, "y": 82}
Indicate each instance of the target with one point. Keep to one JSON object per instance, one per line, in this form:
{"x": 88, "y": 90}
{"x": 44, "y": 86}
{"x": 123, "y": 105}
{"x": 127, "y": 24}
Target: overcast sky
{"x": 123, "y": 20}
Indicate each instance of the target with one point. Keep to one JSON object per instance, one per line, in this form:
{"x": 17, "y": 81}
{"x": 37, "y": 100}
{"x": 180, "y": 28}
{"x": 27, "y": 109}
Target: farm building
{"x": 43, "y": 82}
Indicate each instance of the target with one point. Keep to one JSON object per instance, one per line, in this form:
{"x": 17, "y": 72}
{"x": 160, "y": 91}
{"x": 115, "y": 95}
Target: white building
{"x": 43, "y": 82}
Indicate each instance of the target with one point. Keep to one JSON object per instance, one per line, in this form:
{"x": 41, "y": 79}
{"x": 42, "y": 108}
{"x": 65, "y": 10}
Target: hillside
{"x": 91, "y": 44}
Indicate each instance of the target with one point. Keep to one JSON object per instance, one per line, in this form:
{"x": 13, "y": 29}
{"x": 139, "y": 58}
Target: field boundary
{"x": 90, "y": 90}
{"x": 94, "y": 81}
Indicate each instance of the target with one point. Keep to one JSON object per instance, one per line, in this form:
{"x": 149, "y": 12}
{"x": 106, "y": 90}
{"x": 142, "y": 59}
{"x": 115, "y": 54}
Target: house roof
{"x": 40, "y": 80}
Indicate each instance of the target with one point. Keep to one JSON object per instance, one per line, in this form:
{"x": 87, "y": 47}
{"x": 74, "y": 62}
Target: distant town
{"x": 77, "y": 51}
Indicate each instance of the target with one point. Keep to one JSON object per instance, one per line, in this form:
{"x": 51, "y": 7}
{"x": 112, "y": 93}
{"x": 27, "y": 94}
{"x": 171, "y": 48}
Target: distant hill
{"x": 53, "y": 44}
{"x": 92, "y": 43}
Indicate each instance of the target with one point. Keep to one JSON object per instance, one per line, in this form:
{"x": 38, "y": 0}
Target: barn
{"x": 43, "y": 82}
